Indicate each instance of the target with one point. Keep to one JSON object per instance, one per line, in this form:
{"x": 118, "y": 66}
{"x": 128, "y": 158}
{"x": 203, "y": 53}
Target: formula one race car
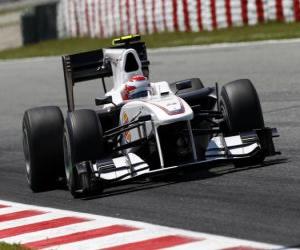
{"x": 142, "y": 128}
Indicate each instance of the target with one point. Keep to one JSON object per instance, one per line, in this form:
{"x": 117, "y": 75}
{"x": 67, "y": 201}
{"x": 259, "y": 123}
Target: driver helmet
{"x": 136, "y": 87}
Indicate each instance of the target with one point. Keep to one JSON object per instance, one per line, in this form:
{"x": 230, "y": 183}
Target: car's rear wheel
{"x": 83, "y": 142}
{"x": 42, "y": 146}
{"x": 242, "y": 112}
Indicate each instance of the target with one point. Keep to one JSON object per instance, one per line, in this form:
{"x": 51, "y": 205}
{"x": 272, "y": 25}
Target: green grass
{"x": 267, "y": 31}
{"x": 11, "y": 10}
{"x": 4, "y": 246}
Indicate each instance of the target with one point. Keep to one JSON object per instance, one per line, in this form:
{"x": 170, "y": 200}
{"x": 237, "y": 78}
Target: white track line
{"x": 29, "y": 220}
{"x": 113, "y": 240}
{"x": 144, "y": 231}
{"x": 7, "y": 210}
{"x": 56, "y": 232}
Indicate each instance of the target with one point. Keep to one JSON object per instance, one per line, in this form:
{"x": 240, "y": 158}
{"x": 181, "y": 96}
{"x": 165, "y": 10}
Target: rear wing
{"x": 90, "y": 65}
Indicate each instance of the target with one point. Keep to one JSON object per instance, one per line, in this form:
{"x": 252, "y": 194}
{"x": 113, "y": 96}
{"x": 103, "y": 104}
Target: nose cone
{"x": 170, "y": 110}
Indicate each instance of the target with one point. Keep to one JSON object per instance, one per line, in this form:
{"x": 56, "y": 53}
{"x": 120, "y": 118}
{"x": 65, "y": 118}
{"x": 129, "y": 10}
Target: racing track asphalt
{"x": 259, "y": 203}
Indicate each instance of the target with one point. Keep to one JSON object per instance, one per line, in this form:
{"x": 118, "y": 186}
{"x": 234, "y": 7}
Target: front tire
{"x": 241, "y": 107}
{"x": 83, "y": 142}
{"x": 242, "y": 112}
{"x": 42, "y": 146}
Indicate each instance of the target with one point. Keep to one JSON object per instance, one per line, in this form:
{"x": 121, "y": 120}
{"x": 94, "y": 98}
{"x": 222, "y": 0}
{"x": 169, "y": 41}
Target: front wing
{"x": 220, "y": 150}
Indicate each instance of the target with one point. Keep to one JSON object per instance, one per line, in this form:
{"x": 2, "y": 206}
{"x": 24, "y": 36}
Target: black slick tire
{"x": 241, "y": 106}
{"x": 42, "y": 146}
{"x": 242, "y": 112}
{"x": 82, "y": 141}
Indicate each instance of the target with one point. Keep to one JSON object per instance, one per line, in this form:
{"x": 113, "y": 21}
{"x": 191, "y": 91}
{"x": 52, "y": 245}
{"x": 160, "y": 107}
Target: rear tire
{"x": 82, "y": 141}
{"x": 42, "y": 146}
{"x": 242, "y": 112}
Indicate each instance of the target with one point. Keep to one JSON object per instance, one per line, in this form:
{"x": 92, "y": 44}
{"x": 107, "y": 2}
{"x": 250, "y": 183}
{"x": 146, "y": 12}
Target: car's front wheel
{"x": 242, "y": 112}
{"x": 83, "y": 143}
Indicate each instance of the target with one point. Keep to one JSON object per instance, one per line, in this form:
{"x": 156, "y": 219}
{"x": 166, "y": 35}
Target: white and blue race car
{"x": 142, "y": 128}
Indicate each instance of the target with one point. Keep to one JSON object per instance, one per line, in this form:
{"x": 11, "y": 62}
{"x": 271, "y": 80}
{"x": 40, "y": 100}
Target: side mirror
{"x": 103, "y": 100}
{"x": 184, "y": 84}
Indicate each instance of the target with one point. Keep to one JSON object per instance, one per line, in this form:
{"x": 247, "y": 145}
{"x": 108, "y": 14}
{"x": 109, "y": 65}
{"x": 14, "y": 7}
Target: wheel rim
{"x": 225, "y": 115}
{"x": 69, "y": 166}
{"x": 27, "y": 155}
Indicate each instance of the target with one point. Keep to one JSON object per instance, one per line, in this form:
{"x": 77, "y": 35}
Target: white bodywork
{"x": 217, "y": 148}
{"x": 161, "y": 103}
{"x": 165, "y": 108}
